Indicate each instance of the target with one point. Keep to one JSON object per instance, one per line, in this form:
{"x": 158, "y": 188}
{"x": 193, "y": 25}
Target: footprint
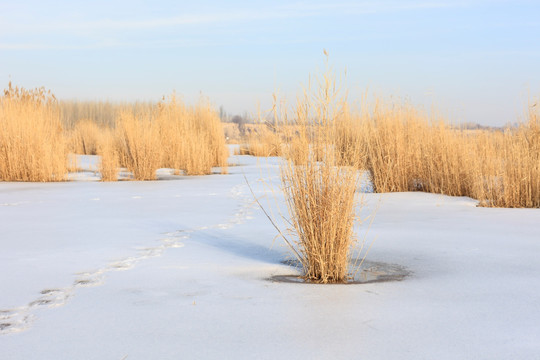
{"x": 173, "y": 242}
{"x": 87, "y": 282}
{"x": 89, "y": 279}
{"x": 121, "y": 265}
{"x": 12, "y": 321}
{"x": 40, "y": 302}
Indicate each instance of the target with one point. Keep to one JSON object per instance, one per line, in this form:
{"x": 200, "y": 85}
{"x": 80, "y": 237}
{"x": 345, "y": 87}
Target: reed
{"x": 511, "y": 170}
{"x": 404, "y": 149}
{"x": 84, "y": 137}
{"x": 408, "y": 151}
{"x": 192, "y": 137}
{"x": 319, "y": 192}
{"x": 266, "y": 141}
{"x": 139, "y": 141}
{"x": 107, "y": 149}
{"x": 32, "y": 146}
{"x": 172, "y": 135}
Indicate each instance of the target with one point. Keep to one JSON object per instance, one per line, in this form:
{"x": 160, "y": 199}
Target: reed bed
{"x": 172, "y": 135}
{"x": 406, "y": 150}
{"x": 32, "y": 146}
{"x": 36, "y": 134}
{"x": 145, "y": 138}
{"x": 402, "y": 148}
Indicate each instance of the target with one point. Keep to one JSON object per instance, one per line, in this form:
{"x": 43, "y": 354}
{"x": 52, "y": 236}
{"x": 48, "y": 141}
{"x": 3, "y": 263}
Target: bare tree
{"x": 241, "y": 122}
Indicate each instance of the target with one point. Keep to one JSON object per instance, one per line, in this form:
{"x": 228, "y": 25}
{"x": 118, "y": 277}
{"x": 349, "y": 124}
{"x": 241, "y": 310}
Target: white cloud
{"x": 55, "y": 32}
{"x": 293, "y": 10}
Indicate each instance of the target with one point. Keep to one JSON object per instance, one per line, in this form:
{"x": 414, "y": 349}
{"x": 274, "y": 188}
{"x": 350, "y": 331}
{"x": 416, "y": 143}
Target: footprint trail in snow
{"x": 21, "y": 318}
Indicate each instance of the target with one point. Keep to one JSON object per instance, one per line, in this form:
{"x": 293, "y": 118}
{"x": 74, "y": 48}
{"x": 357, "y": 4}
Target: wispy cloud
{"x": 114, "y": 44}
{"x": 87, "y": 34}
{"x": 293, "y": 10}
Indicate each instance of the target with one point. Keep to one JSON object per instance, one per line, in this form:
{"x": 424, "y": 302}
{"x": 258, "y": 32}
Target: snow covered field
{"x": 180, "y": 268}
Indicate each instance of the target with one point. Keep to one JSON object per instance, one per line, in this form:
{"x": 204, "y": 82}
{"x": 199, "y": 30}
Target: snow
{"x": 180, "y": 269}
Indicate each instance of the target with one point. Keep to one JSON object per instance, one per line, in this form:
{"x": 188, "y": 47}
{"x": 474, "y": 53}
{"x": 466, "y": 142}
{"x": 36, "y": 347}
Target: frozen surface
{"x": 179, "y": 270}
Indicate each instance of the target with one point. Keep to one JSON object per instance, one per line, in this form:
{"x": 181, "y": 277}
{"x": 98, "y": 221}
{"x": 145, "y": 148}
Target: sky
{"x": 474, "y": 61}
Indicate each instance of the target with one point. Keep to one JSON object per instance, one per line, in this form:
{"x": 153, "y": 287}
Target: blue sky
{"x": 475, "y": 60}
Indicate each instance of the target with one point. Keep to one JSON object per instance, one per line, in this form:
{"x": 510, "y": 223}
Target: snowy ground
{"x": 178, "y": 269}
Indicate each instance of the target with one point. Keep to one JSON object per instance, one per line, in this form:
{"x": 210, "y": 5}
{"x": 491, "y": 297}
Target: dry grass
{"x": 266, "y": 141}
{"x": 174, "y": 136}
{"x": 32, "y": 144}
{"x": 320, "y": 193}
{"x": 192, "y": 137}
{"x": 406, "y": 150}
{"x": 107, "y": 148}
{"x": 321, "y": 201}
{"x": 139, "y": 140}
{"x": 139, "y": 136}
{"x": 402, "y": 148}
{"x": 511, "y": 170}
{"x": 84, "y": 137}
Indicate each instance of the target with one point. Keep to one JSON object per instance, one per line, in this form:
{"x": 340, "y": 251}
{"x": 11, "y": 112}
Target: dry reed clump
{"x": 192, "y": 137}
{"x": 405, "y": 150}
{"x": 349, "y": 145}
{"x": 267, "y": 141}
{"x": 139, "y": 141}
{"x": 511, "y": 173}
{"x": 295, "y": 149}
{"x": 107, "y": 148}
{"x": 320, "y": 194}
{"x": 210, "y": 130}
{"x": 321, "y": 201}
{"x": 83, "y": 139}
{"x": 172, "y": 135}
{"x": 32, "y": 144}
